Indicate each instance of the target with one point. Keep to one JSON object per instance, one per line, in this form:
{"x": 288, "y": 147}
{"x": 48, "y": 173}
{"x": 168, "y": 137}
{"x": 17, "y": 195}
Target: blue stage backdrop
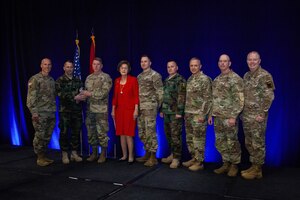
{"x": 179, "y": 30}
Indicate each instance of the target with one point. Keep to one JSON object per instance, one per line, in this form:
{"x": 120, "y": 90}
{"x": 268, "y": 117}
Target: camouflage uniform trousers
{"x": 43, "y": 131}
{"x": 70, "y": 126}
{"x": 255, "y": 140}
{"x": 147, "y": 129}
{"x": 97, "y": 127}
{"x": 227, "y": 141}
{"x": 195, "y": 136}
{"x": 173, "y": 131}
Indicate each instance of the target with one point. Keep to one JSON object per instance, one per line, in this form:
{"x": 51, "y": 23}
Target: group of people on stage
{"x": 196, "y": 102}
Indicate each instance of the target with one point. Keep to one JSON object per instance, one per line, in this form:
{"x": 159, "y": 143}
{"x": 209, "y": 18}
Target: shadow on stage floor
{"x": 21, "y": 178}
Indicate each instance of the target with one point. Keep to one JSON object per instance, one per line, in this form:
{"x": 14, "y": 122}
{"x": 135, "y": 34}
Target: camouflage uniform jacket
{"x": 228, "y": 96}
{"x": 174, "y": 95}
{"x": 66, "y": 90}
{"x": 259, "y": 91}
{"x": 150, "y": 90}
{"x": 41, "y": 94}
{"x": 198, "y": 95}
{"x": 99, "y": 85}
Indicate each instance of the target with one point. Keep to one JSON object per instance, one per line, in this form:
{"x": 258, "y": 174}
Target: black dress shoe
{"x": 122, "y": 160}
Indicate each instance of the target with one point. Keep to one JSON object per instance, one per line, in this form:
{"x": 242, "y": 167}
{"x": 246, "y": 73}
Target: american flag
{"x": 77, "y": 70}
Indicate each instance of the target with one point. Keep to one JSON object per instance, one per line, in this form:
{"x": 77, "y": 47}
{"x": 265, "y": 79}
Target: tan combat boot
{"x": 175, "y": 164}
{"x": 248, "y": 170}
{"x": 102, "y": 157}
{"x": 223, "y": 169}
{"x": 75, "y": 157}
{"x": 168, "y": 159}
{"x": 152, "y": 160}
{"x": 197, "y": 165}
{"x": 48, "y": 159}
{"x": 65, "y": 158}
{"x": 93, "y": 156}
{"x": 233, "y": 170}
{"x": 255, "y": 173}
{"x": 189, "y": 163}
{"x": 41, "y": 160}
{"x": 144, "y": 158}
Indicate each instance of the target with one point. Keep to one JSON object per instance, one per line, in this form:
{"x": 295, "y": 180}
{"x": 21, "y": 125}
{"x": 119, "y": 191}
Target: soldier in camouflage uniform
{"x": 150, "y": 94}
{"x": 259, "y": 95}
{"x": 42, "y": 106}
{"x": 172, "y": 111}
{"x": 70, "y": 112}
{"x": 97, "y": 87}
{"x": 228, "y": 102}
{"x": 197, "y": 106}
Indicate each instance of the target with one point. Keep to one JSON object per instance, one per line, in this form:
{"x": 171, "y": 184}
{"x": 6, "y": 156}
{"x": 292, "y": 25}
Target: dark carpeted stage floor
{"x": 21, "y": 178}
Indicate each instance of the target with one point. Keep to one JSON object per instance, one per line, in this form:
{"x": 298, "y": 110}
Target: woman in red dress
{"x": 125, "y": 109}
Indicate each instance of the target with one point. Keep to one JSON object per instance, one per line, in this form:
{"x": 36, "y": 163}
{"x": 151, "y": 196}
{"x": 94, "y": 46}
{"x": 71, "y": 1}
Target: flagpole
{"x": 92, "y": 50}
{"x": 77, "y": 73}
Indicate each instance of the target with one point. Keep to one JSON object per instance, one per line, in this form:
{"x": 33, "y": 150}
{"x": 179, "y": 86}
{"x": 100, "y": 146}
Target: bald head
{"x": 253, "y": 53}
{"x": 195, "y": 65}
{"x": 224, "y": 63}
{"x": 253, "y": 60}
{"x": 224, "y": 57}
{"x": 46, "y": 66}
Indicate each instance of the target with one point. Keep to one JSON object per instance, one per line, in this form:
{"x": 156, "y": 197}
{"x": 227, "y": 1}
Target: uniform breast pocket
{"x": 251, "y": 83}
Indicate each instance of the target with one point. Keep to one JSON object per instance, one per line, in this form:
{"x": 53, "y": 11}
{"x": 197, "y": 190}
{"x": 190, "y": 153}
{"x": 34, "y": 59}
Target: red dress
{"x": 124, "y": 99}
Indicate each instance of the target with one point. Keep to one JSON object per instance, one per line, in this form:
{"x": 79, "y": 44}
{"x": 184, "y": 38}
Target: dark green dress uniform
{"x": 70, "y": 112}
{"x": 173, "y": 103}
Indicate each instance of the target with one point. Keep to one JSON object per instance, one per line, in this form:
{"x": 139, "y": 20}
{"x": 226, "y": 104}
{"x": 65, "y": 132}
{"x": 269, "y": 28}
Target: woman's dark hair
{"x": 124, "y": 62}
